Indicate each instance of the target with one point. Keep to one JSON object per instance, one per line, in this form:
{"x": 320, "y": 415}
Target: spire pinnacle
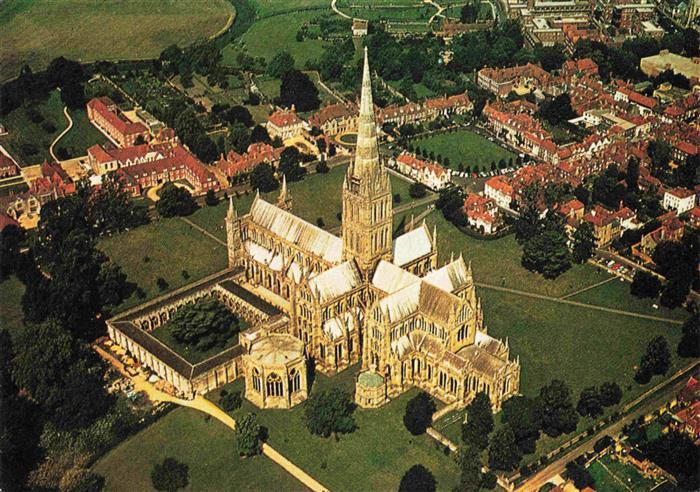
{"x": 366, "y": 151}
{"x": 231, "y": 214}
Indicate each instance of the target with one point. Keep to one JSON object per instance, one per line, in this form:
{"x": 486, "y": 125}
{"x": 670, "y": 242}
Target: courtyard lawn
{"x": 317, "y": 195}
{"x": 192, "y": 354}
{"x": 603, "y": 479}
{"x": 616, "y": 294}
{"x": 610, "y": 474}
{"x": 11, "y": 291}
{"x": 163, "y": 248}
{"x": 268, "y": 36}
{"x": 29, "y": 142}
{"x": 36, "y": 31}
{"x": 204, "y": 444}
{"x": 465, "y": 147}
{"x": 374, "y": 457}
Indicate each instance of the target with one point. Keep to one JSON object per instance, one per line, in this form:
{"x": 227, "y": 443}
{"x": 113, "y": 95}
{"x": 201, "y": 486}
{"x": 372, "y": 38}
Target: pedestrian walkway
{"x": 62, "y": 134}
{"x": 203, "y": 231}
{"x": 576, "y": 292}
{"x": 206, "y": 406}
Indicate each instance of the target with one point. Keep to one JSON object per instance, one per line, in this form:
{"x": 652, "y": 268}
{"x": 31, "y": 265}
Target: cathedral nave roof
{"x": 390, "y": 278}
{"x": 336, "y": 281}
{"x": 412, "y": 245}
{"x": 305, "y": 235}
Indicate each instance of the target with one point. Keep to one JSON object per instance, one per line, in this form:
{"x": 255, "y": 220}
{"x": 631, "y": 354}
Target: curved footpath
{"x": 61, "y": 135}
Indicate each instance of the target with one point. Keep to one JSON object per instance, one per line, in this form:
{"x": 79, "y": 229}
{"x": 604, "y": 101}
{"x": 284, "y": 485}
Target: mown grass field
{"x": 205, "y": 445}
{"x": 265, "y": 8}
{"x": 268, "y": 36}
{"x": 465, "y": 147}
{"x": 82, "y": 135}
{"x": 36, "y": 31}
{"x": 374, "y": 457}
{"x": 11, "y": 291}
{"x": 163, "y": 248}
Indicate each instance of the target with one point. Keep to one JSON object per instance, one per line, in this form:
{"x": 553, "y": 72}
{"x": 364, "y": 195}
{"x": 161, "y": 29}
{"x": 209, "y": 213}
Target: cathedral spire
{"x": 366, "y": 150}
{"x": 231, "y": 214}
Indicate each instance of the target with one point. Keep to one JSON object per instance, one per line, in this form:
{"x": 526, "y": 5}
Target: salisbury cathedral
{"x": 364, "y": 298}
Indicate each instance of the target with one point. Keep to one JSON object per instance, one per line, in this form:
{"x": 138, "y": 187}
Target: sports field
{"x": 36, "y": 31}
{"x": 464, "y": 147}
{"x": 204, "y": 444}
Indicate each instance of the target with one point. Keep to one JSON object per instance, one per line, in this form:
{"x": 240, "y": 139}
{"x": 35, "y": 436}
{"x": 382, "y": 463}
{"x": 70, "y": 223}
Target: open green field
{"x": 205, "y": 445}
{"x": 374, "y": 457}
{"x": 317, "y": 195}
{"x": 163, "y": 248}
{"x": 266, "y": 37}
{"x": 36, "y": 31}
{"x": 375, "y": 13}
{"x": 265, "y": 8}
{"x": 485, "y": 12}
{"x": 615, "y": 294}
{"x": 464, "y": 146}
{"x": 11, "y": 291}
{"x": 23, "y": 133}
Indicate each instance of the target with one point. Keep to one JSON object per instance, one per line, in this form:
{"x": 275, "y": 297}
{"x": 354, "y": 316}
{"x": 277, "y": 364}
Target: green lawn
{"x": 81, "y": 136}
{"x": 23, "y": 133}
{"x": 317, "y": 195}
{"x": 420, "y": 13}
{"x": 205, "y": 445}
{"x": 374, "y": 457}
{"x": 605, "y": 479}
{"x": 266, "y": 37}
{"x": 265, "y": 8}
{"x": 464, "y": 146}
{"x": 616, "y": 294}
{"x": 11, "y": 291}
{"x": 163, "y": 248}
{"x": 36, "y": 31}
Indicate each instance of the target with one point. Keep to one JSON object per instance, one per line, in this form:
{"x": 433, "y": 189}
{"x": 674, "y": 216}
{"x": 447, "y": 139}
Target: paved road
{"x": 578, "y": 304}
{"x": 335, "y": 9}
{"x": 60, "y": 136}
{"x": 672, "y": 386}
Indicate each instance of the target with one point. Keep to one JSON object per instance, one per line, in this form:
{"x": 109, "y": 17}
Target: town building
{"x": 7, "y": 167}
{"x": 665, "y": 60}
{"x": 429, "y": 173}
{"x": 334, "y": 119}
{"x": 285, "y": 124}
{"x": 671, "y": 228}
{"x": 235, "y": 164}
{"x": 360, "y": 27}
{"x": 482, "y": 213}
{"x": 105, "y": 115}
{"x": 679, "y": 199}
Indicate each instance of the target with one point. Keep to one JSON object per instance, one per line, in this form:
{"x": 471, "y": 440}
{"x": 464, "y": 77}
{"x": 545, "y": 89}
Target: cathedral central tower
{"x": 367, "y": 210}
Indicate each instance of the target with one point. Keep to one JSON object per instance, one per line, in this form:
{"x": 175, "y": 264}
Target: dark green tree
{"x": 11, "y": 239}
{"x": 419, "y": 413}
{"x": 579, "y": 475}
{"x": 583, "y": 242}
{"x": 263, "y": 178}
{"x": 290, "y": 164}
{"x": 470, "y": 477}
{"x": 170, "y": 475}
{"x": 249, "y": 435}
{"x": 418, "y": 479}
{"x": 689, "y": 345}
{"x": 479, "y": 423}
{"x": 504, "y": 453}
{"x": 656, "y": 360}
{"x": 204, "y": 324}
{"x": 547, "y": 253}
{"x": 238, "y": 138}
{"x": 210, "y": 198}
{"x": 610, "y": 394}
{"x": 329, "y": 412}
{"x": 299, "y": 91}
{"x": 589, "y": 403}
{"x": 645, "y": 284}
{"x": 520, "y": 413}
{"x": 175, "y": 201}
{"x": 555, "y": 410}
{"x": 417, "y": 190}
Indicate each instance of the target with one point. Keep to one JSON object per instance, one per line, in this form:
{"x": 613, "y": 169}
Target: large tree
{"x": 299, "y": 91}
{"x": 59, "y": 374}
{"x": 175, "y": 201}
{"x": 520, "y": 413}
{"x": 418, "y": 479}
{"x": 656, "y": 360}
{"x": 280, "y": 65}
{"x": 204, "y": 324}
{"x": 645, "y": 284}
{"x": 170, "y": 475}
{"x": 547, "y": 253}
{"x": 610, "y": 394}
{"x": 589, "y": 403}
{"x": 583, "y": 243}
{"x": 555, "y": 409}
{"x": 238, "y": 138}
{"x": 263, "y": 178}
{"x": 249, "y": 435}
{"x": 689, "y": 345}
{"x": 419, "y": 413}
{"x": 479, "y": 422}
{"x": 504, "y": 453}
{"x": 329, "y": 412}
{"x": 290, "y": 164}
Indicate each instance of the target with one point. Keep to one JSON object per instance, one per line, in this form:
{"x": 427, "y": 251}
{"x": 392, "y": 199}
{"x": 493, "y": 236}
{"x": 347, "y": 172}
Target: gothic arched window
{"x": 257, "y": 381}
{"x": 274, "y": 385}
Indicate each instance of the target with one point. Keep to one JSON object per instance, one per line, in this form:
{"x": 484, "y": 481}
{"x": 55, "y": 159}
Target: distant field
{"x": 268, "y": 7}
{"x": 204, "y": 444}
{"x": 36, "y": 31}
{"x": 163, "y": 248}
{"x": 266, "y": 37}
{"x": 465, "y": 147}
